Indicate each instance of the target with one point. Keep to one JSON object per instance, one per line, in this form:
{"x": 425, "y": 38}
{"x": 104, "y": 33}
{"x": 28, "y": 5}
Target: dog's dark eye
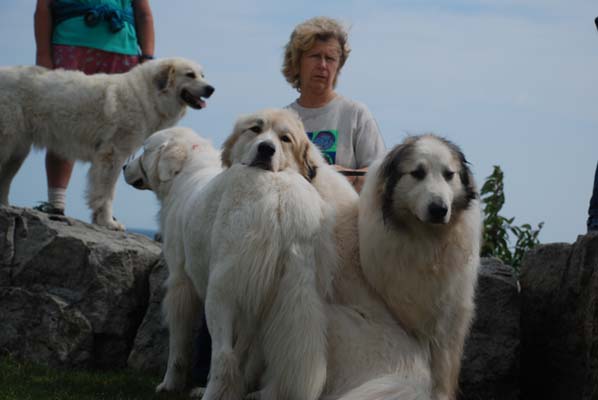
{"x": 419, "y": 174}
{"x": 285, "y": 138}
{"x": 256, "y": 129}
{"x": 191, "y": 75}
{"x": 448, "y": 175}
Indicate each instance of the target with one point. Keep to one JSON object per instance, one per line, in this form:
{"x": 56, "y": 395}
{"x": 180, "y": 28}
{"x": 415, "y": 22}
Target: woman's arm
{"x": 42, "y": 27}
{"x": 144, "y": 25}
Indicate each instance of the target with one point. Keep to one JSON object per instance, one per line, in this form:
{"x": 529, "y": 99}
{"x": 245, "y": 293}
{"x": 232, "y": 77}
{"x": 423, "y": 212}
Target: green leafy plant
{"x": 499, "y": 230}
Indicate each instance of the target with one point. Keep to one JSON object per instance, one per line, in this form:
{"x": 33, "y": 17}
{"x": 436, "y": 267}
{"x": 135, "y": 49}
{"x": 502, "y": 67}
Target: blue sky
{"x": 514, "y": 83}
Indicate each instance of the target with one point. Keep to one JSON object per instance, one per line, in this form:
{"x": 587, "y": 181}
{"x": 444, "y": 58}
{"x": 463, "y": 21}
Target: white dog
{"x": 176, "y": 164}
{"x": 251, "y": 244}
{"x": 420, "y": 231}
{"x": 97, "y": 118}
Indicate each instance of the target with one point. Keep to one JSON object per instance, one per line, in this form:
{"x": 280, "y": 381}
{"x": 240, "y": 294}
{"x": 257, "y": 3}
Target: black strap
{"x": 353, "y": 173}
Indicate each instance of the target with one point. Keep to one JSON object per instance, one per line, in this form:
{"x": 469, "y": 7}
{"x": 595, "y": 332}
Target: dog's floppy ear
{"x": 467, "y": 179}
{"x": 309, "y": 165}
{"x": 389, "y": 174}
{"x": 172, "y": 159}
{"x": 309, "y": 154}
{"x": 465, "y": 173}
{"x": 227, "y": 147}
{"x": 165, "y": 77}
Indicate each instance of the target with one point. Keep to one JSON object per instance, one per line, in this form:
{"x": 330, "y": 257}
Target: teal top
{"x": 107, "y": 25}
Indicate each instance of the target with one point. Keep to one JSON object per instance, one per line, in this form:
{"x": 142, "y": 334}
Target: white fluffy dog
{"x": 250, "y": 244}
{"x": 420, "y": 231}
{"x": 97, "y": 118}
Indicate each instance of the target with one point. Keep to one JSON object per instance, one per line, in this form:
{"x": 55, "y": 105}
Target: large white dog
{"x": 407, "y": 263}
{"x": 97, "y": 118}
{"x": 251, "y": 243}
{"x": 420, "y": 232}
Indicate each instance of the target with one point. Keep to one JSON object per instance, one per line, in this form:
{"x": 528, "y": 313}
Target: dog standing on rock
{"x": 97, "y": 118}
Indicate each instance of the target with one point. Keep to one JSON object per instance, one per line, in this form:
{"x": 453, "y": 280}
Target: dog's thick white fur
{"x": 98, "y": 118}
{"x": 370, "y": 356}
{"x": 250, "y": 244}
{"x": 420, "y": 231}
{"x": 176, "y": 164}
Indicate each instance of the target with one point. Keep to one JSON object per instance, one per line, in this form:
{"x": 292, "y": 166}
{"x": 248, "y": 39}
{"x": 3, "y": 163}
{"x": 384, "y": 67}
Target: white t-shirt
{"x": 344, "y": 130}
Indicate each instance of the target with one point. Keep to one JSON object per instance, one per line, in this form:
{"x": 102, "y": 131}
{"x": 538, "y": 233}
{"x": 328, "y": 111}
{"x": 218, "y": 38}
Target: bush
{"x": 498, "y": 229}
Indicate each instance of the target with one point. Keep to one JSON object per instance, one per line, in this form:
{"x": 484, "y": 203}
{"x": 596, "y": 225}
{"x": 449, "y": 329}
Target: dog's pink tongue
{"x": 201, "y": 103}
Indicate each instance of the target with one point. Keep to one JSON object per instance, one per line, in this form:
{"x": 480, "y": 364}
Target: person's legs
{"x": 593, "y": 209}
{"x": 58, "y": 174}
{"x": 90, "y": 61}
{"x": 59, "y": 170}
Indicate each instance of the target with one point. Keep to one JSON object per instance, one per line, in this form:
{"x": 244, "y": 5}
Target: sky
{"x": 513, "y": 83}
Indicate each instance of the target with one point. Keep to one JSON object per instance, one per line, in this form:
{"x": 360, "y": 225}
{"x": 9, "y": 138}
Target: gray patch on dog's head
{"x": 389, "y": 174}
{"x": 470, "y": 192}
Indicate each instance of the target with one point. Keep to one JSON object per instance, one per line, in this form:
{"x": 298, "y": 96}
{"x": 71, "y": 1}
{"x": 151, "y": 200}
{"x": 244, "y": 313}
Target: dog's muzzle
{"x": 139, "y": 183}
{"x": 263, "y": 158}
{"x": 197, "y": 100}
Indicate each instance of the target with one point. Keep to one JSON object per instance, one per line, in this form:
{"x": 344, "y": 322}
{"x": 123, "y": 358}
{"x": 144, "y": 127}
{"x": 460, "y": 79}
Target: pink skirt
{"x": 91, "y": 61}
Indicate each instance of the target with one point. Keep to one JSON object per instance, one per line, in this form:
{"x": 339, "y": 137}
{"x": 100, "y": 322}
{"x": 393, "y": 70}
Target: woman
{"x": 344, "y": 129}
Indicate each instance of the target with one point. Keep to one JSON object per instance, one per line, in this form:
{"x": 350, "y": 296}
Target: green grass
{"x": 25, "y": 381}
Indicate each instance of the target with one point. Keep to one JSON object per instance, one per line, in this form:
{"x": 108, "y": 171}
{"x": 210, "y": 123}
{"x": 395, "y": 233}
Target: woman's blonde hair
{"x": 303, "y": 39}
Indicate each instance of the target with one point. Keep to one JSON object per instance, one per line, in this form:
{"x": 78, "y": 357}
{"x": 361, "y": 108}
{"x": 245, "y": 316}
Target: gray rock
{"x": 559, "y": 287}
{"x": 40, "y": 327}
{"x": 490, "y": 368}
{"x": 77, "y": 295}
{"x": 150, "y": 349}
{"x": 99, "y": 273}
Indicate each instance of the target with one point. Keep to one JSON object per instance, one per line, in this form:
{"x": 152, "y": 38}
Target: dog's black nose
{"x": 437, "y": 211}
{"x": 208, "y": 91}
{"x": 266, "y": 150}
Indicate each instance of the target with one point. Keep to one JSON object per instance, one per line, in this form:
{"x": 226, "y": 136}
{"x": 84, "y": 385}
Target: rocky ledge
{"x": 77, "y": 295}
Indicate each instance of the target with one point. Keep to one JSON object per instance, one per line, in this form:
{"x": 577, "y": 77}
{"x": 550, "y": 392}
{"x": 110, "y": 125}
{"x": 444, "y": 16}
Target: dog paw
{"x": 197, "y": 393}
{"x": 164, "y": 387}
{"x": 161, "y": 388}
{"x": 116, "y": 226}
{"x": 267, "y": 393}
{"x": 112, "y": 225}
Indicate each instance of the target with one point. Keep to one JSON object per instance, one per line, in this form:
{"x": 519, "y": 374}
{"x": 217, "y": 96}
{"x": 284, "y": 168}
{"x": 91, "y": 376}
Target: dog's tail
{"x": 389, "y": 387}
{"x": 294, "y": 339}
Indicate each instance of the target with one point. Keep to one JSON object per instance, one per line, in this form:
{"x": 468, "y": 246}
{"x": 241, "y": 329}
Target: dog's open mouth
{"x": 192, "y": 101}
{"x": 139, "y": 184}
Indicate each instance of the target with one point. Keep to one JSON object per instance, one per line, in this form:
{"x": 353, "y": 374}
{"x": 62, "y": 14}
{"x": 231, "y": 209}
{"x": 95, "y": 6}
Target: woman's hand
{"x": 356, "y": 177}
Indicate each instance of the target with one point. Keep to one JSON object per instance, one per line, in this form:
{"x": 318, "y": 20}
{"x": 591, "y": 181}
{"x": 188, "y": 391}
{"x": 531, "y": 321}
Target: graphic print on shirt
{"x": 326, "y": 141}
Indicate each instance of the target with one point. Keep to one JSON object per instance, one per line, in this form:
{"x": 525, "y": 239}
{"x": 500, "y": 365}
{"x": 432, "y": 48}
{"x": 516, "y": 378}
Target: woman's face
{"x": 319, "y": 66}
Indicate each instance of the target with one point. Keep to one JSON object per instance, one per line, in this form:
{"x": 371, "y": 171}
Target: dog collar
{"x": 142, "y": 169}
